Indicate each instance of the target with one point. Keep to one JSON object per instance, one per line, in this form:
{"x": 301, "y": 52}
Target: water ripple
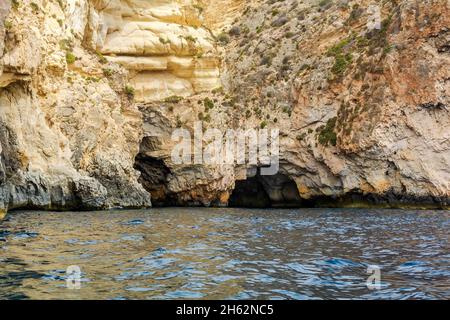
{"x": 193, "y": 253}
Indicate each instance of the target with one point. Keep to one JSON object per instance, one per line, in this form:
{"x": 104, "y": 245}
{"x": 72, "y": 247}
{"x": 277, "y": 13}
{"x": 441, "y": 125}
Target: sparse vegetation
{"x": 164, "y": 41}
{"x": 34, "y": 7}
{"x": 208, "y": 103}
{"x": 342, "y": 59}
{"x": 129, "y": 91}
{"x": 301, "y": 137}
{"x": 179, "y": 123}
{"x": 223, "y": 38}
{"x": 217, "y": 90}
{"x": 15, "y": 4}
{"x": 8, "y": 25}
{"x": 199, "y": 8}
{"x": 189, "y": 39}
{"x": 108, "y": 72}
{"x": 341, "y": 63}
{"x": 266, "y": 61}
{"x": 289, "y": 34}
{"x": 66, "y": 44}
{"x": 324, "y": 3}
{"x": 356, "y": 13}
{"x": 101, "y": 57}
{"x": 326, "y": 133}
{"x": 207, "y": 118}
{"x": 173, "y": 99}
{"x": 92, "y": 79}
{"x": 70, "y": 57}
{"x": 235, "y": 31}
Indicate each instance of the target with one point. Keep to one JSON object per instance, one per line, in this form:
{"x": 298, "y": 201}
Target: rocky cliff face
{"x": 69, "y": 132}
{"x": 163, "y": 45}
{"x": 91, "y": 91}
{"x": 364, "y": 111}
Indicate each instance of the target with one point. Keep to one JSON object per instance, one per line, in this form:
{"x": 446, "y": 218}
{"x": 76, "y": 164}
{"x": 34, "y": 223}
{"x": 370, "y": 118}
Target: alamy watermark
{"x": 73, "y": 277}
{"x": 254, "y": 147}
{"x": 374, "y": 280}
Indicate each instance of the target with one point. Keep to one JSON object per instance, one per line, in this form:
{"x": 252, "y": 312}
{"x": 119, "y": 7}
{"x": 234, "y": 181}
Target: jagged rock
{"x": 91, "y": 194}
{"x": 163, "y": 44}
{"x": 69, "y": 134}
{"x": 363, "y": 113}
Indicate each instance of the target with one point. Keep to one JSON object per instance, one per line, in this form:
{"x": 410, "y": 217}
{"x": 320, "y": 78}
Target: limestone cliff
{"x": 364, "y": 109}
{"x": 163, "y": 44}
{"x": 363, "y": 112}
{"x": 69, "y": 132}
{"x": 91, "y": 90}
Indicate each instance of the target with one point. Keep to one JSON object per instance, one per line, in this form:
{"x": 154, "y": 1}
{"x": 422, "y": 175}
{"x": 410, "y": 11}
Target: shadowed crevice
{"x": 265, "y": 192}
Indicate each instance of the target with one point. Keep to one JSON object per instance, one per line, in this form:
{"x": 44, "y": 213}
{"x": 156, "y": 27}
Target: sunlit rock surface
{"x": 91, "y": 91}
{"x": 164, "y": 45}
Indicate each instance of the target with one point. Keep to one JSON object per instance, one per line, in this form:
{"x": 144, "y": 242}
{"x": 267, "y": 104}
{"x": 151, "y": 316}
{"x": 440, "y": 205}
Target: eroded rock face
{"x": 363, "y": 112}
{"x": 173, "y": 183}
{"x": 69, "y": 133}
{"x": 164, "y": 45}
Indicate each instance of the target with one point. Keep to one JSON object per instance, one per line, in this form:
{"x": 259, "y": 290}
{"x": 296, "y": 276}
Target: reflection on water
{"x": 226, "y": 253}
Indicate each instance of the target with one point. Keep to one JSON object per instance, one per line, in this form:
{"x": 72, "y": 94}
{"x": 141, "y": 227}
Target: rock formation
{"x": 162, "y": 43}
{"x": 69, "y": 132}
{"x": 363, "y": 112}
{"x": 91, "y": 91}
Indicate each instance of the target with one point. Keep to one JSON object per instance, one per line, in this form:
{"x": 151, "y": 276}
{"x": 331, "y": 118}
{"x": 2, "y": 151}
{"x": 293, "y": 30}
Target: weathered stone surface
{"x": 5, "y": 6}
{"x": 69, "y": 134}
{"x": 363, "y": 113}
{"x": 164, "y": 45}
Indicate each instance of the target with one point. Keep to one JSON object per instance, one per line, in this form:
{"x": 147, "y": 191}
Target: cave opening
{"x": 258, "y": 191}
{"x": 153, "y": 177}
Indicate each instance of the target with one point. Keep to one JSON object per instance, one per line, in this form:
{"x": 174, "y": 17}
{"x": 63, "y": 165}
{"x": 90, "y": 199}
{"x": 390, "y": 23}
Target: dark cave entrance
{"x": 278, "y": 191}
{"x": 153, "y": 177}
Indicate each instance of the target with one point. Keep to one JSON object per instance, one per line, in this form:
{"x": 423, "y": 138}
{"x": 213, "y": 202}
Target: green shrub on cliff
{"x": 341, "y": 63}
{"x": 223, "y": 38}
{"x": 15, "y": 4}
{"x": 129, "y": 90}
{"x": 326, "y": 133}
{"x": 70, "y": 57}
{"x": 107, "y": 72}
{"x": 34, "y": 7}
{"x": 173, "y": 99}
{"x": 8, "y": 25}
{"x": 101, "y": 57}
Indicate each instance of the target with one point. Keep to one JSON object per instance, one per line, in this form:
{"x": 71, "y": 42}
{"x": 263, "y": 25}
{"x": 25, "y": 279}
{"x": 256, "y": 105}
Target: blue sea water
{"x": 193, "y": 253}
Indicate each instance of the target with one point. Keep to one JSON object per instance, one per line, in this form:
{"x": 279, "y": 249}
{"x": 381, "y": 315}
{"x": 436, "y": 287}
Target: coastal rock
{"x": 69, "y": 132}
{"x": 163, "y": 44}
{"x": 363, "y": 110}
{"x": 91, "y": 92}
